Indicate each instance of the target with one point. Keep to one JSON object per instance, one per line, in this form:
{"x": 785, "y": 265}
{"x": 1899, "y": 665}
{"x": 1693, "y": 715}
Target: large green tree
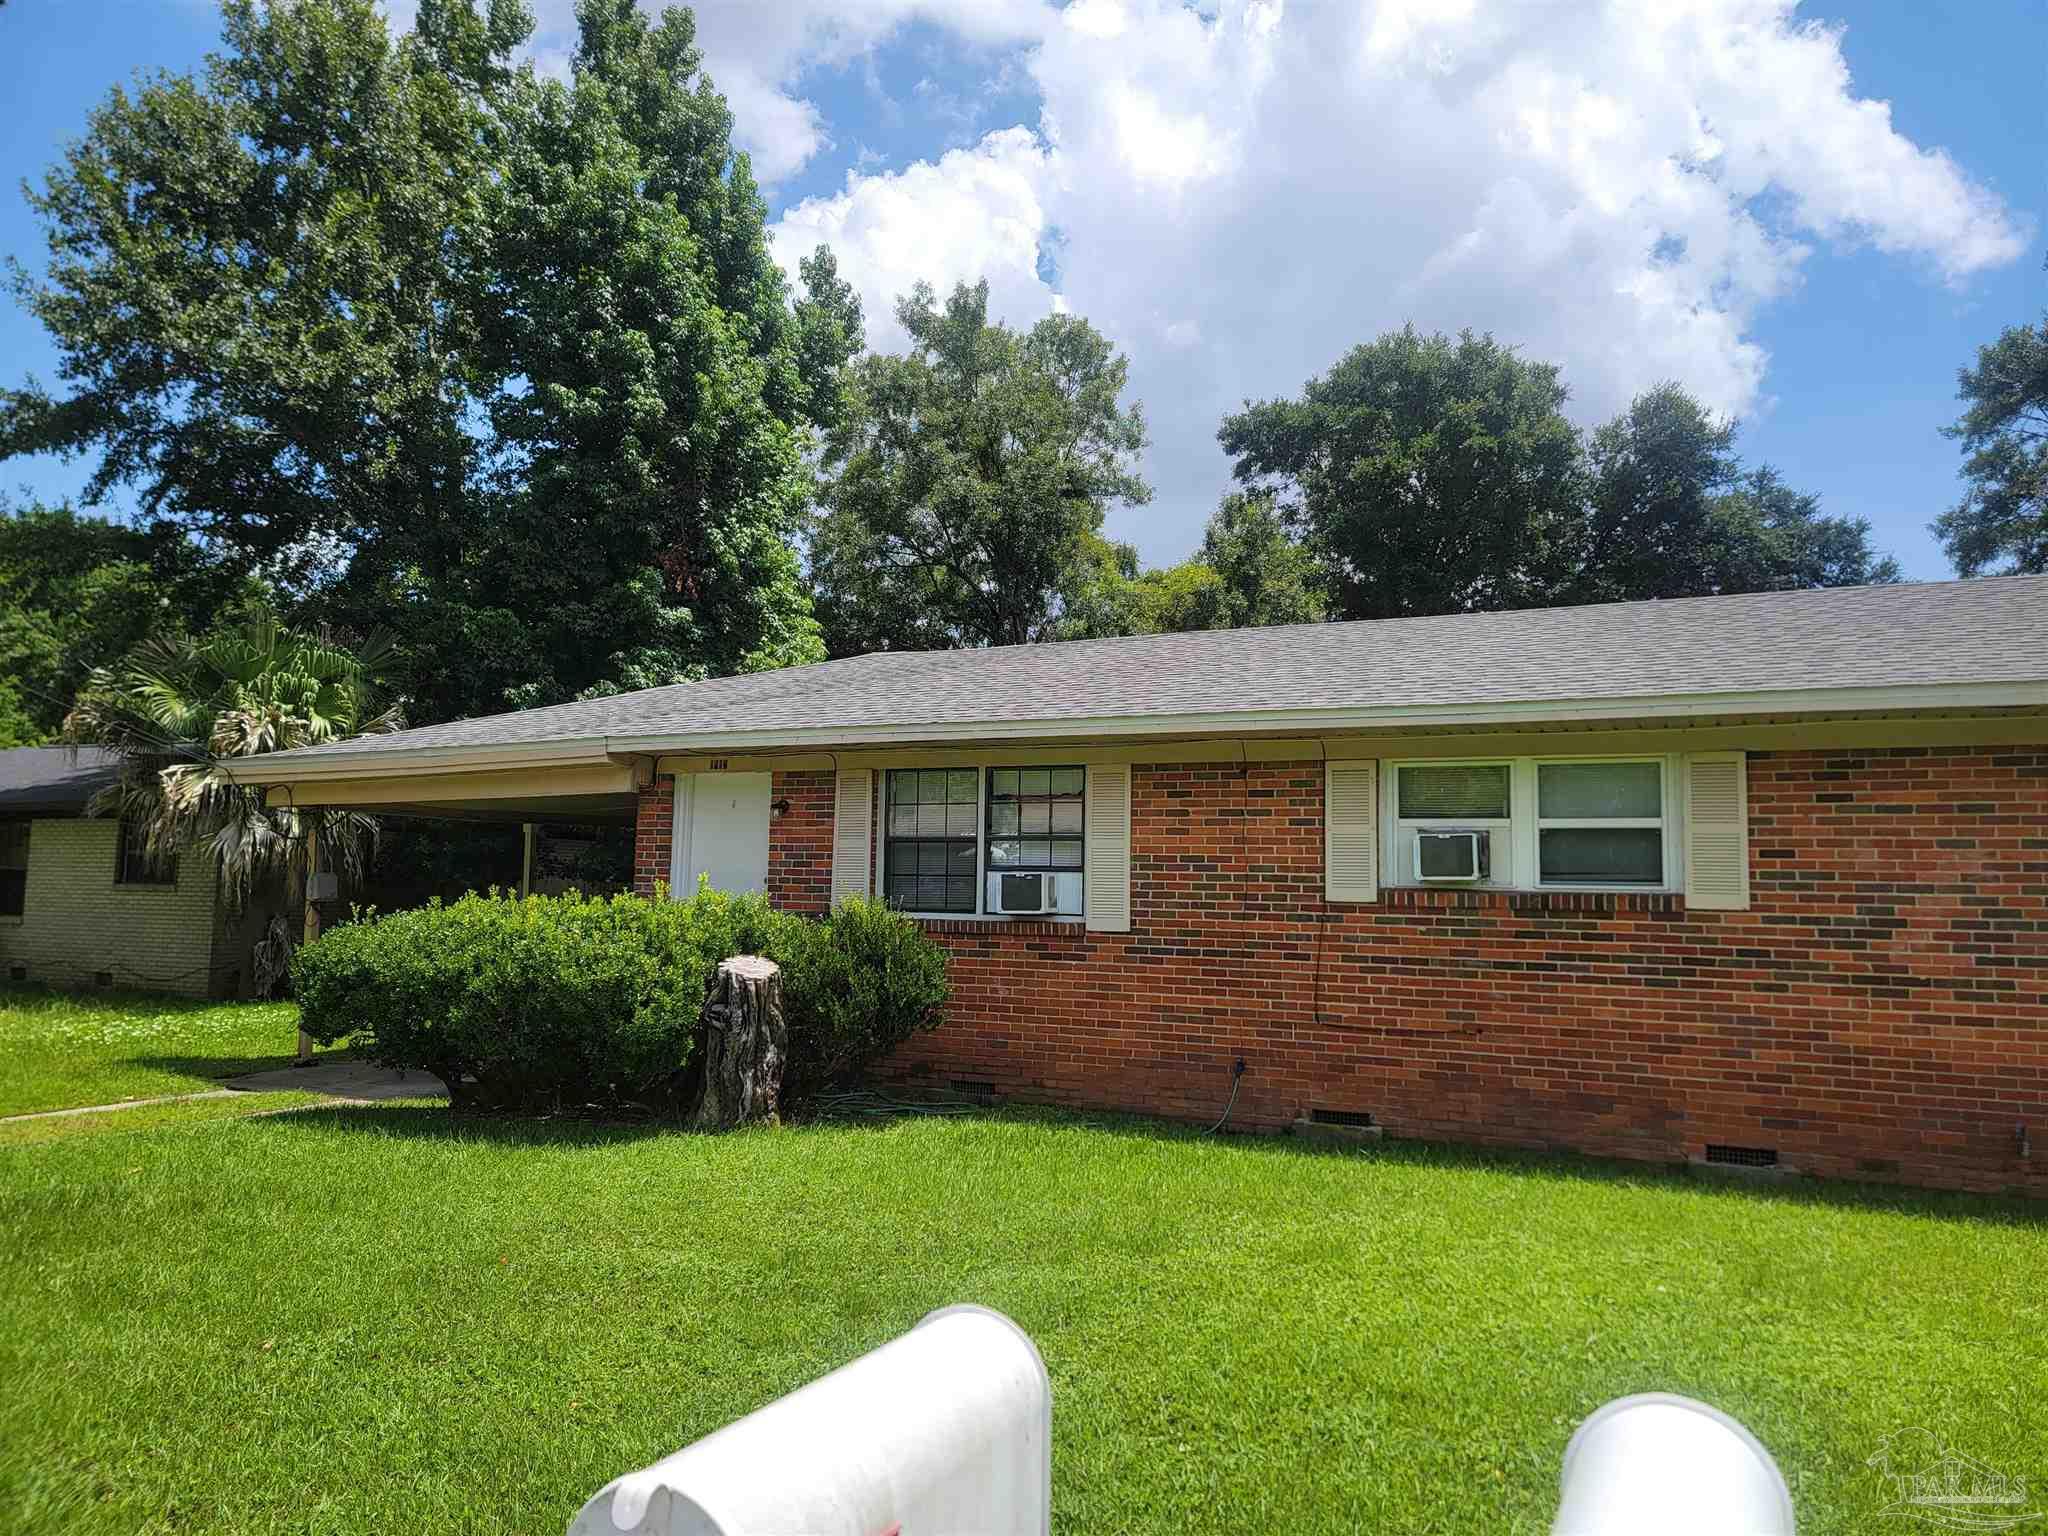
{"x": 495, "y": 361}
{"x": 653, "y": 444}
{"x": 971, "y": 479}
{"x": 1427, "y": 474}
{"x": 2001, "y": 524}
{"x": 254, "y": 281}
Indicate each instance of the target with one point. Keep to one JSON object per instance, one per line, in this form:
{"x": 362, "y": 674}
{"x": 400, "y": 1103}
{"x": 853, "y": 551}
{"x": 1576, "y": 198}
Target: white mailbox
{"x": 1669, "y": 1464}
{"x": 946, "y": 1429}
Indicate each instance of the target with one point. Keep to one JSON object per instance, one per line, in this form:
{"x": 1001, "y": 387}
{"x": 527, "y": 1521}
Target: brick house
{"x": 1734, "y": 879}
{"x": 81, "y": 903}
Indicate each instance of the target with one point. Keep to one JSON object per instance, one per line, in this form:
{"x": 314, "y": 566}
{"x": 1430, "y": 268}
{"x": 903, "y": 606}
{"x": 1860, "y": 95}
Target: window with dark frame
{"x": 134, "y": 866}
{"x": 929, "y": 850}
{"x": 14, "y": 836}
{"x": 1036, "y": 819}
{"x": 945, "y": 827}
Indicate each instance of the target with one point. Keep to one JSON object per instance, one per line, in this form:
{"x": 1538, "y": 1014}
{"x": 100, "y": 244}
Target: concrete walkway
{"x": 359, "y": 1082}
{"x": 352, "y": 1082}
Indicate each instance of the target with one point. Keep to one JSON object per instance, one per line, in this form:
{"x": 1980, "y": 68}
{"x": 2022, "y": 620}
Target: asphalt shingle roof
{"x": 53, "y": 778}
{"x": 1932, "y": 634}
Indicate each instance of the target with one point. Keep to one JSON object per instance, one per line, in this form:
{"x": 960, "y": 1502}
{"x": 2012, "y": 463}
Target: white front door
{"x": 721, "y": 831}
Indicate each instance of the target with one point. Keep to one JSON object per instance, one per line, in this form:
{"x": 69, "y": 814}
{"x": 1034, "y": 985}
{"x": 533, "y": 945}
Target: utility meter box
{"x": 946, "y": 1429}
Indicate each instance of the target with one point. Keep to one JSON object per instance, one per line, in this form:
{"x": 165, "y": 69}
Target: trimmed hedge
{"x": 554, "y": 1002}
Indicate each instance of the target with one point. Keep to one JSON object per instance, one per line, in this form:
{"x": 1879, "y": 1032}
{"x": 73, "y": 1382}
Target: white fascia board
{"x": 395, "y": 761}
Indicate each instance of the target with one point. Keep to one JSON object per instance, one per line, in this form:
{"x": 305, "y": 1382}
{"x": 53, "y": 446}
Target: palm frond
{"x": 179, "y": 711}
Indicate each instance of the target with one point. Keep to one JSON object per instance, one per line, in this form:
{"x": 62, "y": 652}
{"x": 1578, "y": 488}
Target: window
{"x": 952, "y": 832}
{"x": 929, "y": 860}
{"x": 13, "y": 868}
{"x": 1453, "y": 797}
{"x": 134, "y": 866}
{"x": 1035, "y": 818}
{"x": 1600, "y": 823}
{"x": 1539, "y": 823}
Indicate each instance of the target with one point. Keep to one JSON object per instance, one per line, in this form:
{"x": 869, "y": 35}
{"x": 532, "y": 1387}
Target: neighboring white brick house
{"x": 75, "y": 914}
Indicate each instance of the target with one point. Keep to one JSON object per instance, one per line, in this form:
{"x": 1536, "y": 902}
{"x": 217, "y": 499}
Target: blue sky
{"x": 1234, "y": 214}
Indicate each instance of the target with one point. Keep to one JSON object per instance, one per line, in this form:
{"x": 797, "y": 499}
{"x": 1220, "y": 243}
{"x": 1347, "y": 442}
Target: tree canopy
{"x": 2001, "y": 524}
{"x": 1249, "y": 571}
{"x": 1427, "y": 474}
{"x": 498, "y": 362}
{"x": 971, "y": 479}
{"x": 1431, "y": 475}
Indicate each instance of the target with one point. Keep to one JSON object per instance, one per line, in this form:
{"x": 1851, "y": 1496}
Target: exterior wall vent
{"x": 103, "y": 978}
{"x": 973, "y": 1088}
{"x": 1355, "y": 1117}
{"x": 17, "y": 973}
{"x": 1742, "y": 1157}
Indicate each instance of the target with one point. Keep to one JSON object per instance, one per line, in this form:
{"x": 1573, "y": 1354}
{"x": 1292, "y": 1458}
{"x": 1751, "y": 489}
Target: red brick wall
{"x": 654, "y": 834}
{"x": 1880, "y": 1011}
{"x": 799, "y": 843}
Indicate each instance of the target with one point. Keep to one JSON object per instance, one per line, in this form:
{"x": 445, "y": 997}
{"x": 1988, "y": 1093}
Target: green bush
{"x": 562, "y": 1002}
{"x": 854, "y": 987}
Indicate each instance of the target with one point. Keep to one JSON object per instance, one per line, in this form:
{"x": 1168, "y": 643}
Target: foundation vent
{"x": 1356, "y": 1117}
{"x": 17, "y": 973}
{"x": 973, "y": 1088}
{"x": 1742, "y": 1157}
{"x": 103, "y": 978}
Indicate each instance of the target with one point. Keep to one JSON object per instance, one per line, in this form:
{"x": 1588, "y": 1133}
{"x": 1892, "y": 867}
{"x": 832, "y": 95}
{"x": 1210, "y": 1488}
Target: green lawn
{"x": 58, "y": 1051}
{"x": 380, "y": 1319}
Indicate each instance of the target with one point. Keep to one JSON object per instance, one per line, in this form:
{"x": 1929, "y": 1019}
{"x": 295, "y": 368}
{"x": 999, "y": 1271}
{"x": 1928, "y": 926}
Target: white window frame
{"x": 983, "y": 767}
{"x": 1515, "y": 842}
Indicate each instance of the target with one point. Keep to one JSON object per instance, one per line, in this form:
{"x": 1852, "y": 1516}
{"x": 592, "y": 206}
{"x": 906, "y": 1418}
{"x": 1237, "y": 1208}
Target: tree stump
{"x": 743, "y": 1043}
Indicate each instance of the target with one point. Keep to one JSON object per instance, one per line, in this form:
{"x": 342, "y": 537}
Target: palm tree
{"x": 180, "y": 710}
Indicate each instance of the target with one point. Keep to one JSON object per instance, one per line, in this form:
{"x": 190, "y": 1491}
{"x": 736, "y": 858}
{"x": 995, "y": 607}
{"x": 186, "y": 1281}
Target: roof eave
{"x": 394, "y": 760}
{"x": 1280, "y": 722}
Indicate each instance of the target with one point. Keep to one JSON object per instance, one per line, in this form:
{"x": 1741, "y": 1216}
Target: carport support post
{"x": 525, "y": 859}
{"x": 312, "y": 930}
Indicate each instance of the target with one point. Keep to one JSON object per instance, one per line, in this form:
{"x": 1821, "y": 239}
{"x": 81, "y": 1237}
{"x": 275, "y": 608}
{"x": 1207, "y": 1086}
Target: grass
{"x": 59, "y": 1051}
{"x": 380, "y": 1318}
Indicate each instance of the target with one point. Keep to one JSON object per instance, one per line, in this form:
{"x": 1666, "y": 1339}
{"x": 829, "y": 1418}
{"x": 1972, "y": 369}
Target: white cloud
{"x": 754, "y": 51}
{"x": 1236, "y": 197}
{"x": 974, "y": 213}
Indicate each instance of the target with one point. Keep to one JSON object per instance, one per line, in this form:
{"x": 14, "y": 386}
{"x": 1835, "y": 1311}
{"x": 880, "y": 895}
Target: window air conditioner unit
{"x": 1448, "y": 854}
{"x": 1025, "y": 893}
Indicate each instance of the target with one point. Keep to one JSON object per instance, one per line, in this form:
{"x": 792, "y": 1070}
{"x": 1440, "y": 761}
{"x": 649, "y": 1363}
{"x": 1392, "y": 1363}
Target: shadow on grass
{"x": 424, "y": 1121}
{"x": 1560, "y": 1165}
{"x": 215, "y": 1069}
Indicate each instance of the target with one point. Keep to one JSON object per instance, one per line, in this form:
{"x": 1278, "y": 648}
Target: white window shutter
{"x": 1108, "y": 878}
{"x": 1351, "y": 831}
{"x": 853, "y": 813}
{"x": 1717, "y": 831}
